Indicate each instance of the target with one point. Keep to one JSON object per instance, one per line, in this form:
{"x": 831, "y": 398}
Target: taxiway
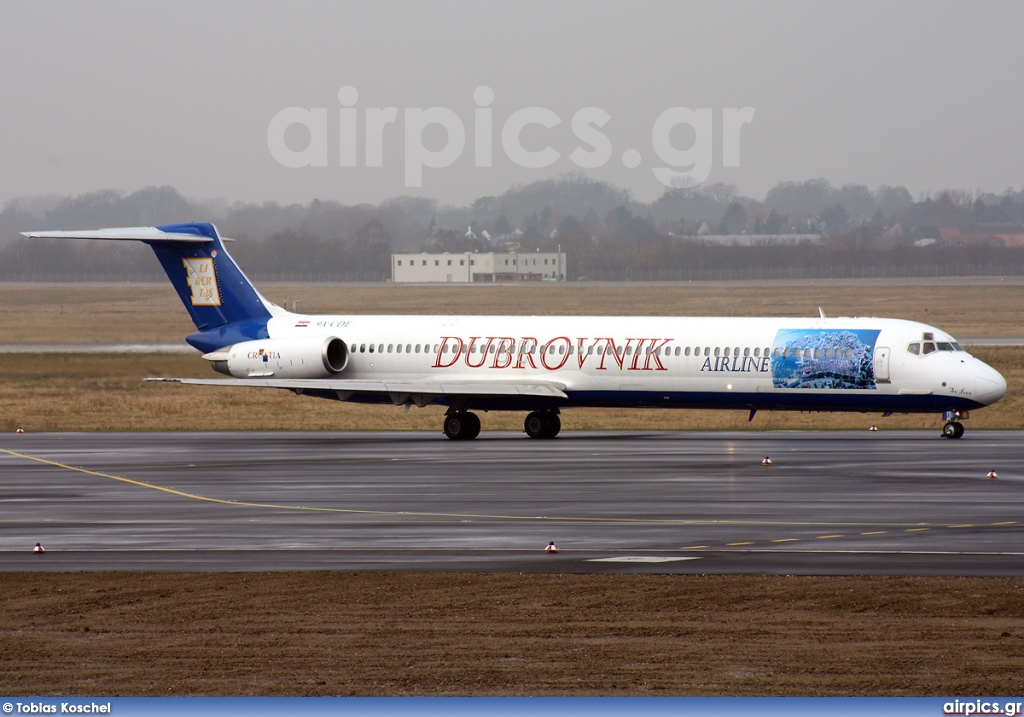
{"x": 906, "y": 503}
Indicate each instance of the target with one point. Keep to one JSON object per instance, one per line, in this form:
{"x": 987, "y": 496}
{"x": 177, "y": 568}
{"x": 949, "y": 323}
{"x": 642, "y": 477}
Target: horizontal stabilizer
{"x": 123, "y": 234}
{"x": 429, "y": 388}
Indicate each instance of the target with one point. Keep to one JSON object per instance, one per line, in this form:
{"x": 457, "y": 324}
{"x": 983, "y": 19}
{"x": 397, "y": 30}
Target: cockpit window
{"x": 929, "y": 347}
{"x": 957, "y": 347}
{"x": 945, "y": 346}
{"x": 914, "y": 349}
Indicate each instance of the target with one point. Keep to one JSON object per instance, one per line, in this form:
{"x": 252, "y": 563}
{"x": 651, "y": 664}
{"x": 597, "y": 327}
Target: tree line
{"x": 603, "y": 231}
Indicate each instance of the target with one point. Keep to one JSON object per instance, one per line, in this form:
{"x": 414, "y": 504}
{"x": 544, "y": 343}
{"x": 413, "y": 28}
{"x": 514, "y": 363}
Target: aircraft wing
{"x": 399, "y": 391}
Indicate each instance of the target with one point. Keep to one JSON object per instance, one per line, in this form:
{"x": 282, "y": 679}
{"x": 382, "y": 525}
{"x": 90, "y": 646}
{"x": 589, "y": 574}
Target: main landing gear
{"x": 465, "y": 426}
{"x": 953, "y": 429}
{"x": 542, "y": 424}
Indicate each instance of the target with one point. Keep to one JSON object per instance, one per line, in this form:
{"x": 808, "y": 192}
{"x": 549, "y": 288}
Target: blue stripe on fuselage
{"x": 834, "y": 401}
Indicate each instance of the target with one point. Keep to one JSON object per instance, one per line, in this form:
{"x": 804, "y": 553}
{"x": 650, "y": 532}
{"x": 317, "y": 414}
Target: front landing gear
{"x": 462, "y": 426}
{"x": 542, "y": 424}
{"x": 952, "y": 430}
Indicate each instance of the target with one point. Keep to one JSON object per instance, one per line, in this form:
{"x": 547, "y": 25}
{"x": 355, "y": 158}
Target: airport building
{"x": 472, "y": 267}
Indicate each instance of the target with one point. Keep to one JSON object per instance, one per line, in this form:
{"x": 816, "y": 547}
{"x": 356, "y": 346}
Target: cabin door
{"x": 881, "y": 365}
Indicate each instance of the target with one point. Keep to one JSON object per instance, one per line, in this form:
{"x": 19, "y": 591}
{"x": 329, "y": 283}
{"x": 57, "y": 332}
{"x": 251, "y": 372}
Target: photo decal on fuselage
{"x": 824, "y": 358}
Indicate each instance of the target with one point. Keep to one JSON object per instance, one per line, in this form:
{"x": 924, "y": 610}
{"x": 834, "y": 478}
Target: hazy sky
{"x": 125, "y": 95}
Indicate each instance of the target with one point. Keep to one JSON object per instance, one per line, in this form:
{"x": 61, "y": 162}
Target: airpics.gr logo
{"x": 982, "y": 707}
{"x": 686, "y": 167}
{"x": 202, "y": 280}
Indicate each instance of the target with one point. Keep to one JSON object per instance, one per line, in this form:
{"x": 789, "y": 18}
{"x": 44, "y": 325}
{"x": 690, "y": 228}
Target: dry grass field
{"x": 327, "y": 633}
{"x": 152, "y": 313}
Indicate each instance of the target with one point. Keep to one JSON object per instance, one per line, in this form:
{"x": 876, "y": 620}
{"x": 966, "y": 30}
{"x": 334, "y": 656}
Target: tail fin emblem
{"x": 202, "y": 279}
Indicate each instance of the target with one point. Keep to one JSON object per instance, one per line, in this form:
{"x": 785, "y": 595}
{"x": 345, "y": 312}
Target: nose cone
{"x": 990, "y": 385}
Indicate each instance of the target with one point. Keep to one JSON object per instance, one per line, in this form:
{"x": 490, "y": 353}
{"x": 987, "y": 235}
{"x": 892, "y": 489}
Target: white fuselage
{"x": 781, "y": 363}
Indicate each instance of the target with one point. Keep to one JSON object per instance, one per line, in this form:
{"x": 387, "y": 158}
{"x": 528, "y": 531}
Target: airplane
{"x": 544, "y": 364}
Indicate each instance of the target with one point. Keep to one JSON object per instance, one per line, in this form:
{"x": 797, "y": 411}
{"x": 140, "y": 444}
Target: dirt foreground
{"x": 321, "y": 633}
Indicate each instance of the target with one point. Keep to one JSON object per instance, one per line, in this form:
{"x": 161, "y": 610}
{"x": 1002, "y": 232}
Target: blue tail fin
{"x": 222, "y": 302}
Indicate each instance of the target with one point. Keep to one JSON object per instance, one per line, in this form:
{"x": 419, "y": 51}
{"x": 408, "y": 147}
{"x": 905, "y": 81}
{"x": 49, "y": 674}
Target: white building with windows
{"x": 471, "y": 268}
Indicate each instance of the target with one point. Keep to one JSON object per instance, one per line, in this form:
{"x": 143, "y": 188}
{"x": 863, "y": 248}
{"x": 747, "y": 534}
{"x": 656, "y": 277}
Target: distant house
{"x": 895, "y": 232}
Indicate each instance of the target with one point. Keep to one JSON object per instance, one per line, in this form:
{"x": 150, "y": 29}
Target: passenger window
{"x": 807, "y": 353}
{"x": 817, "y": 353}
{"x": 362, "y": 348}
{"x": 371, "y": 348}
{"x": 390, "y": 347}
{"x": 408, "y": 348}
{"x": 915, "y": 349}
{"x": 398, "y": 348}
{"x": 436, "y": 347}
{"x": 686, "y": 352}
{"x": 417, "y": 348}
{"x": 736, "y": 351}
{"x": 778, "y": 352}
{"x": 707, "y": 350}
{"x": 746, "y": 351}
{"x": 929, "y": 347}
{"x": 380, "y": 348}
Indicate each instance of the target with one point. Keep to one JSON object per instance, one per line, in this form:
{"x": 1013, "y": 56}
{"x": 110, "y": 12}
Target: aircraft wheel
{"x": 472, "y": 427}
{"x": 554, "y": 425}
{"x": 534, "y": 425}
{"x": 953, "y": 430}
{"x": 461, "y": 426}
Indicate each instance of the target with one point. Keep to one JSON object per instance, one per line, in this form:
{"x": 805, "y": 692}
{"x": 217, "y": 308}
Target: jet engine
{"x": 306, "y": 357}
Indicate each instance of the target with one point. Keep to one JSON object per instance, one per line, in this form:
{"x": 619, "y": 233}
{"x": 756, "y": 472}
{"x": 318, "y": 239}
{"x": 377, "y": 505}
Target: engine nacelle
{"x": 306, "y": 357}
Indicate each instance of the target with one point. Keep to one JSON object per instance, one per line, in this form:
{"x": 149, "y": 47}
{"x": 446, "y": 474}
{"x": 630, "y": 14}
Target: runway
{"x": 900, "y": 503}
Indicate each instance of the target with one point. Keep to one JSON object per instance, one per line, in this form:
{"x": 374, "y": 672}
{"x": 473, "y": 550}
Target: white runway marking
{"x": 641, "y": 559}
